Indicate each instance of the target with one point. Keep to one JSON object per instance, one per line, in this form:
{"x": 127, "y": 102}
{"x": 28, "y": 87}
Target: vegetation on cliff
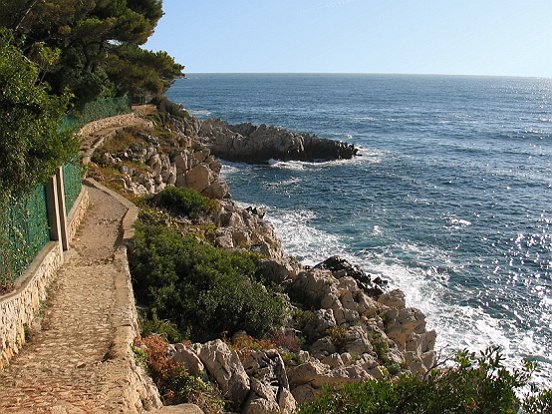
{"x": 202, "y": 289}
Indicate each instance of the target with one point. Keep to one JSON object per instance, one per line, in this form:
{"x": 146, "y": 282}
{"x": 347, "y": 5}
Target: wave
{"x": 425, "y": 280}
{"x": 201, "y": 113}
{"x": 457, "y": 223}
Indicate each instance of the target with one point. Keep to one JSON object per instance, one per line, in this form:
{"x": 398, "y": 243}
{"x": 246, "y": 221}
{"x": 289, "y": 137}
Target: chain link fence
{"x": 92, "y": 111}
{"x": 24, "y": 232}
{"x": 72, "y": 182}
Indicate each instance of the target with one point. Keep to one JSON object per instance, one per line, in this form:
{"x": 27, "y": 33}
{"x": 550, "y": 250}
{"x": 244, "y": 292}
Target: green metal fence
{"x": 24, "y": 232}
{"x": 72, "y": 181}
{"x": 95, "y": 110}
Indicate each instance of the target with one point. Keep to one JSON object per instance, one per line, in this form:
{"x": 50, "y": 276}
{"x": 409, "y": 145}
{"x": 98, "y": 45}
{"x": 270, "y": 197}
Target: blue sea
{"x": 451, "y": 199}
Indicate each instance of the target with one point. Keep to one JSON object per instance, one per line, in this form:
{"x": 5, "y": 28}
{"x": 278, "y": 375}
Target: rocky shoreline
{"x": 258, "y": 144}
{"x": 355, "y": 328}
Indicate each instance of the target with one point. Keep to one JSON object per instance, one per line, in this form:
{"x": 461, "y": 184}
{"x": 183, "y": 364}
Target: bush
{"x": 475, "y": 385}
{"x": 204, "y": 290}
{"x": 184, "y": 201}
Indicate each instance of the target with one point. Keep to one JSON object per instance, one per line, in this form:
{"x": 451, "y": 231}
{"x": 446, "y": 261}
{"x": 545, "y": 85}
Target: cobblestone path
{"x": 65, "y": 367}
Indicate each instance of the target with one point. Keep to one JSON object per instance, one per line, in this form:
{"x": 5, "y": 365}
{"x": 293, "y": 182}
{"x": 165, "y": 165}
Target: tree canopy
{"x": 99, "y": 45}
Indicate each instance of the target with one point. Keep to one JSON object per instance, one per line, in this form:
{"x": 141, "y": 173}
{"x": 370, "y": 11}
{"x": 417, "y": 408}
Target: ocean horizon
{"x": 398, "y": 74}
{"x": 449, "y": 200}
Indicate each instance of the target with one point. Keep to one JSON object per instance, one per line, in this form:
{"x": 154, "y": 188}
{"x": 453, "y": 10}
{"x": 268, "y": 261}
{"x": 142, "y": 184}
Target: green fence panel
{"x": 25, "y": 232}
{"x": 72, "y": 183}
{"x": 92, "y": 111}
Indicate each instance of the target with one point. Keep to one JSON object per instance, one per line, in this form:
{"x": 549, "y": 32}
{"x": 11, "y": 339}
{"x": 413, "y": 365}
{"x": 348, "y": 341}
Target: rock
{"x": 275, "y": 270}
{"x": 287, "y": 402}
{"x": 341, "y": 268}
{"x": 347, "y": 358}
{"x": 342, "y": 375}
{"x": 217, "y": 190}
{"x": 346, "y": 299}
{"x": 306, "y": 373}
{"x": 181, "y": 162}
{"x": 322, "y": 320}
{"x": 347, "y": 283}
{"x": 188, "y": 359}
{"x": 264, "y": 390}
{"x": 334, "y": 361}
{"x": 177, "y": 409}
{"x": 258, "y": 405}
{"x": 267, "y": 367}
{"x": 269, "y": 383}
{"x": 322, "y": 347}
{"x": 225, "y": 367}
{"x": 393, "y": 299}
{"x": 314, "y": 285}
{"x": 252, "y": 144}
{"x": 358, "y": 341}
{"x": 199, "y": 178}
{"x": 367, "y": 306}
{"x": 224, "y": 240}
{"x": 305, "y": 393}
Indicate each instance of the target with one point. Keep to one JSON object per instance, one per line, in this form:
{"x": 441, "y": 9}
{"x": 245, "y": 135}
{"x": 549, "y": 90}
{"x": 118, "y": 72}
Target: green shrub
{"x": 153, "y": 325}
{"x": 204, "y": 290}
{"x": 475, "y": 385}
{"x": 166, "y": 106}
{"x": 184, "y": 202}
{"x": 338, "y": 335}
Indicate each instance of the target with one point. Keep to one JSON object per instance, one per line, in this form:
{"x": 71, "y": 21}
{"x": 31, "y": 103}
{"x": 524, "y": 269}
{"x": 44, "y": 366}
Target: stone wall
{"x": 118, "y": 121}
{"x": 19, "y": 308}
{"x": 136, "y": 391}
{"x": 77, "y": 213}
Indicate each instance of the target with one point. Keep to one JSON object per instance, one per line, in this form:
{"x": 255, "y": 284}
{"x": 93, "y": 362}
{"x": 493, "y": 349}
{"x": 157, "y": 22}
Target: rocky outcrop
{"x": 225, "y": 367}
{"x": 357, "y": 331}
{"x": 258, "y": 144}
{"x": 149, "y": 165}
{"x": 254, "y": 382}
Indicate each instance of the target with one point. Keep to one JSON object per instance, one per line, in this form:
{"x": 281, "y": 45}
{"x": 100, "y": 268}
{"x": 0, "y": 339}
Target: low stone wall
{"x": 77, "y": 213}
{"x": 136, "y": 391}
{"x": 118, "y": 121}
{"x": 19, "y": 308}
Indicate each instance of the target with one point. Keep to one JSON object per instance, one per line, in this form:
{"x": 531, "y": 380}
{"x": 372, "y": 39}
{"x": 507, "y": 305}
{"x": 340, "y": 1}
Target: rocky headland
{"x": 258, "y": 144}
{"x": 354, "y": 328}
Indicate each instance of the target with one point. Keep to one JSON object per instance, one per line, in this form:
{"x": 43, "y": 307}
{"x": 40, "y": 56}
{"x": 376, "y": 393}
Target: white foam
{"x": 202, "y": 113}
{"x": 457, "y": 223}
{"x": 458, "y": 326}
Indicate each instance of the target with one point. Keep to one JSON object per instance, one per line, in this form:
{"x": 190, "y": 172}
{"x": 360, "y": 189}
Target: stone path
{"x": 65, "y": 368}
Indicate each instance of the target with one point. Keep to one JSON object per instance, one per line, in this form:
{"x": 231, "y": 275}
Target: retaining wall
{"x": 18, "y": 309}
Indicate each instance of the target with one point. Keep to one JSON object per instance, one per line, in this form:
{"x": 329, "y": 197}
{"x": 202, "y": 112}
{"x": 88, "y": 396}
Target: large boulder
{"x": 312, "y": 286}
{"x": 225, "y": 367}
{"x": 199, "y": 177}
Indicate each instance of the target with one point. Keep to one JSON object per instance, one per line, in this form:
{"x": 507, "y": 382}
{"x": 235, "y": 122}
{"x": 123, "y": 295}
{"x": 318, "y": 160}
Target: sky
{"x": 459, "y": 37}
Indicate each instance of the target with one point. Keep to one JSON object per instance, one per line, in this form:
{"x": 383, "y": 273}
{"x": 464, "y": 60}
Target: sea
{"x": 450, "y": 199}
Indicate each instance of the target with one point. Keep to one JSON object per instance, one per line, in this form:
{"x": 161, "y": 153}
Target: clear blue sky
{"x": 467, "y": 37}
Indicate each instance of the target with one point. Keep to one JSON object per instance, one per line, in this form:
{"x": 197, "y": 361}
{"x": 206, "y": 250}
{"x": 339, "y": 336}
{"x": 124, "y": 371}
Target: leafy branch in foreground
{"x": 476, "y": 384}
{"x": 32, "y": 144}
